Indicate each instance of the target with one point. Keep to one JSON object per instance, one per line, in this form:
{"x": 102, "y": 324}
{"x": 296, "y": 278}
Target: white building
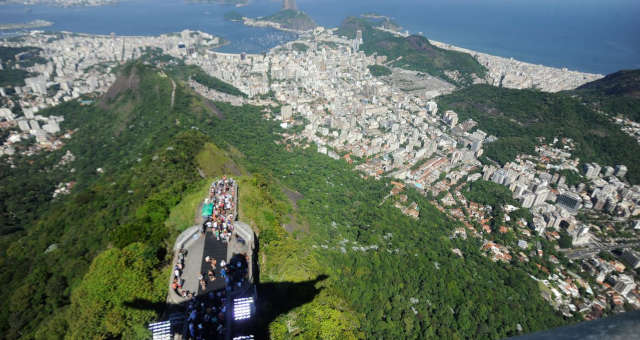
{"x": 450, "y": 118}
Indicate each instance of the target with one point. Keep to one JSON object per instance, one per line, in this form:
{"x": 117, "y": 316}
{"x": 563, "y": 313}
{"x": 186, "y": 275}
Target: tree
{"x": 99, "y": 305}
{"x": 565, "y": 239}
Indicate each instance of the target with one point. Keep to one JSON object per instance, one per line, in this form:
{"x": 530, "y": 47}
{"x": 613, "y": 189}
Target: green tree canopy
{"x": 117, "y": 276}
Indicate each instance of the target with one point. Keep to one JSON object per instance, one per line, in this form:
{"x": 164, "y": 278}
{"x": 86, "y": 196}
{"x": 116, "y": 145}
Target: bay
{"x": 586, "y": 35}
{"x": 155, "y": 17}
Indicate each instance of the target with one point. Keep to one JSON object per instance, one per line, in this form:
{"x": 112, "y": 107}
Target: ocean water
{"x": 600, "y": 36}
{"x": 154, "y": 17}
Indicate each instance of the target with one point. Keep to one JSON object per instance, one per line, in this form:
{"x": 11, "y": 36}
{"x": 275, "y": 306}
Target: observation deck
{"x": 212, "y": 293}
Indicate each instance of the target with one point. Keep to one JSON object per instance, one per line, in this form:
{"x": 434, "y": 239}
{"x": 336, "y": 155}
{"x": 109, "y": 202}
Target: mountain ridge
{"x": 292, "y": 19}
{"x": 617, "y": 94}
{"x": 414, "y": 52}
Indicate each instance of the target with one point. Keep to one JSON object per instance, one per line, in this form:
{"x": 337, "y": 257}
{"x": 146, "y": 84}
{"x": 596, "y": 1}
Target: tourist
{"x": 192, "y": 315}
{"x": 192, "y": 330}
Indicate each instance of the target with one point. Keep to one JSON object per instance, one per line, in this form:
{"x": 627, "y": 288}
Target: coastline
{"x": 264, "y": 23}
{"x": 516, "y": 74}
{"x": 513, "y": 73}
{"x": 501, "y": 71}
{"x": 64, "y": 3}
{"x": 27, "y": 25}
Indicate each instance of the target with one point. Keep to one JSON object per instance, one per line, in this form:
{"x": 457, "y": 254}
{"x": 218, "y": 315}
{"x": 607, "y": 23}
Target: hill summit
{"x": 617, "y": 93}
{"x": 413, "y": 52}
{"x": 292, "y": 19}
{"x": 621, "y": 83}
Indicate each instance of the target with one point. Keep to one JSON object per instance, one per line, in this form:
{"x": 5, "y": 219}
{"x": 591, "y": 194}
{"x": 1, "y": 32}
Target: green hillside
{"x": 367, "y": 292}
{"x": 198, "y": 75}
{"x": 292, "y": 19}
{"x": 148, "y": 159}
{"x": 379, "y": 70}
{"x": 517, "y": 117}
{"x": 413, "y": 52}
{"x": 622, "y": 83}
{"x": 355, "y": 270}
{"x": 13, "y": 77}
{"x": 233, "y": 16}
{"x": 12, "y": 73}
{"x": 617, "y": 93}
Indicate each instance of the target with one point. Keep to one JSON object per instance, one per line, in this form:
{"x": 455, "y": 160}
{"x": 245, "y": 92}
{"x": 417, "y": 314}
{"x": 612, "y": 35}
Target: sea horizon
{"x": 545, "y": 34}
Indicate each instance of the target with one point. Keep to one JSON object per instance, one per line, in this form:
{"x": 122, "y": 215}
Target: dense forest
{"x": 300, "y": 47}
{"x": 148, "y": 161}
{"x": 414, "y": 52}
{"x": 518, "y": 117}
{"x": 378, "y": 260}
{"x": 69, "y": 265}
{"x": 13, "y": 77}
{"x": 292, "y": 19}
{"x": 379, "y": 70}
{"x": 233, "y": 16}
{"x": 198, "y": 75}
{"x": 13, "y": 60}
{"x": 617, "y": 93}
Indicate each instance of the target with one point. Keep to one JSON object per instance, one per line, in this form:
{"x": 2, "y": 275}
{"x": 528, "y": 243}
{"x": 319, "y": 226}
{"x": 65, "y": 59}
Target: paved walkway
{"x": 198, "y": 246}
{"x": 192, "y": 264}
{"x": 217, "y": 250}
{"x": 195, "y": 264}
{"x": 173, "y": 93}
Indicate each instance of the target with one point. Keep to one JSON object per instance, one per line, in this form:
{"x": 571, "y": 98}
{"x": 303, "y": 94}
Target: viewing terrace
{"x": 212, "y": 287}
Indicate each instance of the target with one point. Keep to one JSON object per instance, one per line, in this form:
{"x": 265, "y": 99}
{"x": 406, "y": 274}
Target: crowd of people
{"x": 210, "y": 272}
{"x": 178, "y": 281}
{"x": 235, "y": 272}
{"x": 206, "y": 315}
{"x": 218, "y": 210}
{"x": 218, "y": 214}
{"x": 206, "y": 311}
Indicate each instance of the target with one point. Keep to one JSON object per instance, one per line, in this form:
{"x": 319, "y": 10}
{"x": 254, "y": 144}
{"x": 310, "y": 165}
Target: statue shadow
{"x": 274, "y": 299}
{"x": 279, "y": 298}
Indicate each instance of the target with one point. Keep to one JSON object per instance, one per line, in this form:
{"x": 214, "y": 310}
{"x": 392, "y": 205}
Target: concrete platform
{"x": 217, "y": 250}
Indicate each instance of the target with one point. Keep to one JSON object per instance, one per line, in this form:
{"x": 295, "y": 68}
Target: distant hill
{"x": 379, "y": 70}
{"x": 413, "y": 52}
{"x": 198, "y": 75}
{"x": 27, "y": 56}
{"x": 292, "y": 19}
{"x": 233, "y": 16}
{"x": 622, "y": 83}
{"x": 147, "y": 155}
{"x": 617, "y": 93}
{"x": 226, "y": 2}
{"x": 517, "y": 117}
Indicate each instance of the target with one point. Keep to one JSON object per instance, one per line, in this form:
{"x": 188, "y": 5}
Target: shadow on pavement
{"x": 274, "y": 299}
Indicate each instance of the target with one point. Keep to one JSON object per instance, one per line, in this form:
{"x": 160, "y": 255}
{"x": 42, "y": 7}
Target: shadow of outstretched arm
{"x": 278, "y": 298}
{"x": 143, "y": 304}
